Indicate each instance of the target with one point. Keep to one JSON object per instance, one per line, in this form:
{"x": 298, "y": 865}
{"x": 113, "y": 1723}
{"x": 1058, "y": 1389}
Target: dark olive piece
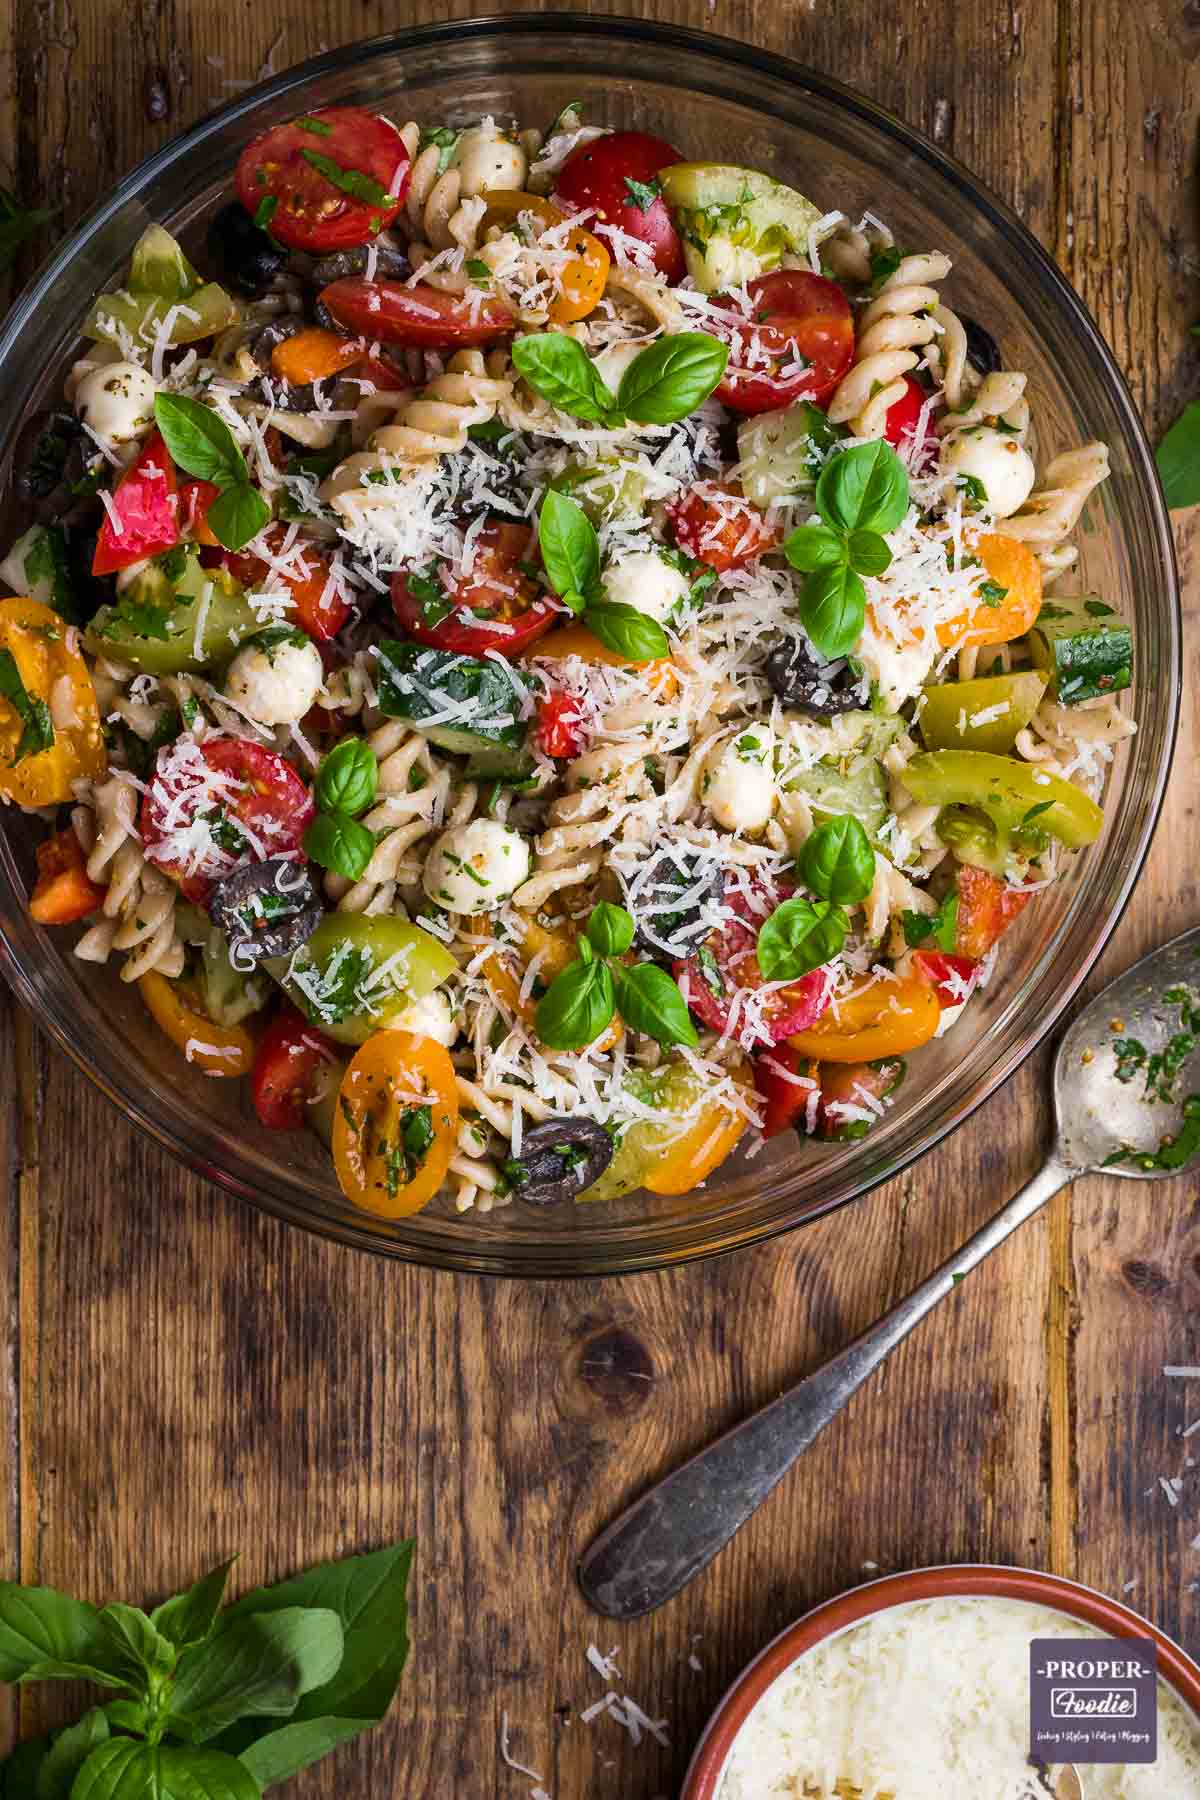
{"x": 983, "y": 352}
{"x": 558, "y": 1160}
{"x": 242, "y": 251}
{"x": 50, "y": 460}
{"x": 266, "y": 909}
{"x": 799, "y": 680}
{"x": 669, "y": 921}
{"x": 389, "y": 264}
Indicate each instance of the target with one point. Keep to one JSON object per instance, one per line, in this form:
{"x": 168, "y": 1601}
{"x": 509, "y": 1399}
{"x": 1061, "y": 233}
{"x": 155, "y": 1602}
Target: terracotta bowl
{"x": 968, "y": 1580}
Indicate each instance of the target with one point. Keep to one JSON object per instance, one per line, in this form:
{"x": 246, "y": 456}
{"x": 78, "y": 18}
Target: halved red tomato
{"x": 796, "y": 342}
{"x": 495, "y": 605}
{"x": 336, "y": 177}
{"x": 951, "y": 977}
{"x": 421, "y": 316}
{"x": 904, "y": 415}
{"x": 319, "y": 602}
{"x": 213, "y": 806}
{"x": 195, "y": 498}
{"x": 720, "y": 980}
{"x": 382, "y": 374}
{"x": 616, "y": 174}
{"x": 286, "y": 1061}
{"x": 146, "y": 502}
{"x": 788, "y": 1088}
{"x": 560, "y": 728}
{"x": 717, "y": 526}
{"x": 986, "y": 909}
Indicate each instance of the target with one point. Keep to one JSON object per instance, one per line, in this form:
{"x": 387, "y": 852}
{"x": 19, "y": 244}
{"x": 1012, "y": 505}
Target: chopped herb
{"x": 351, "y": 181}
{"x": 265, "y": 211}
{"x": 37, "y": 732}
{"x": 1098, "y": 609}
{"x": 320, "y": 126}
{"x": 478, "y": 270}
{"x": 991, "y": 593}
{"x": 642, "y": 194}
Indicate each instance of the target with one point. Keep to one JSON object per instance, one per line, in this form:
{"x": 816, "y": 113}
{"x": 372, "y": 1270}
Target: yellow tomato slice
{"x": 36, "y": 639}
{"x": 886, "y": 1019}
{"x": 688, "y": 1160}
{"x": 582, "y": 281}
{"x": 577, "y": 640}
{"x": 556, "y": 950}
{"x": 176, "y": 1010}
{"x": 396, "y": 1123}
{"x": 1011, "y": 565}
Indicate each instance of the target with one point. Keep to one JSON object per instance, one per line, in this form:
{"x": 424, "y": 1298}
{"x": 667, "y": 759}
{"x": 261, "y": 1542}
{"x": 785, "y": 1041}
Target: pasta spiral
{"x": 412, "y": 801}
{"x": 894, "y": 327}
{"x": 1051, "y": 513}
{"x": 138, "y": 914}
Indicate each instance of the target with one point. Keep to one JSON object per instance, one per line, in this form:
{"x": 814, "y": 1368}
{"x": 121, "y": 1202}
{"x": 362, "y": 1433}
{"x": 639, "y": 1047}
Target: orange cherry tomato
{"x": 396, "y": 1123}
{"x": 56, "y": 685}
{"x": 64, "y": 892}
{"x": 556, "y": 949}
{"x": 1011, "y": 565}
{"x": 688, "y": 1160}
{"x": 314, "y": 355}
{"x": 886, "y": 1019}
{"x": 577, "y": 640}
{"x": 178, "y": 1013}
{"x": 583, "y": 278}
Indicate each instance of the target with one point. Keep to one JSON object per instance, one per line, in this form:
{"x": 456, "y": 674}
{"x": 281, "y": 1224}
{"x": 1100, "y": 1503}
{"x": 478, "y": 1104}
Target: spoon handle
{"x": 676, "y": 1528}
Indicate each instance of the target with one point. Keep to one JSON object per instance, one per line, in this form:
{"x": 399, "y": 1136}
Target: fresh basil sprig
{"x": 212, "y": 1704}
{"x": 202, "y": 444}
{"x": 838, "y": 866}
{"x": 571, "y": 558}
{"x": 1178, "y": 459}
{"x": 580, "y": 1002}
{"x": 663, "y": 384}
{"x": 37, "y": 727}
{"x": 340, "y": 843}
{"x": 838, "y": 862}
{"x": 346, "y": 784}
{"x": 861, "y": 493}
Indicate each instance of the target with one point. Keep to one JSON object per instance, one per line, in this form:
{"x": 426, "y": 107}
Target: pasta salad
{"x": 552, "y": 661}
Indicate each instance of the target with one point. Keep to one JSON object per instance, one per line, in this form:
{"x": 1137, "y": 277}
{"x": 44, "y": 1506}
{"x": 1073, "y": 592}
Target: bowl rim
{"x": 539, "y": 1260}
{"x": 939, "y": 1580}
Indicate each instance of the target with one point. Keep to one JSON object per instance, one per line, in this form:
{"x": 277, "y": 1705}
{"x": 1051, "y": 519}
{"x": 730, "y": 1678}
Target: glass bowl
{"x": 713, "y": 99}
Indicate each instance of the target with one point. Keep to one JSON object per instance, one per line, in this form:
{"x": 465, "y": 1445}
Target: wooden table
{"x": 185, "y": 1377}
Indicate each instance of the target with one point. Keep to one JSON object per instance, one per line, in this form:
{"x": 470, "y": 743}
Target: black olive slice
{"x": 558, "y": 1160}
{"x": 798, "y": 679}
{"x": 266, "y": 909}
{"x": 983, "y": 352}
{"x": 242, "y": 251}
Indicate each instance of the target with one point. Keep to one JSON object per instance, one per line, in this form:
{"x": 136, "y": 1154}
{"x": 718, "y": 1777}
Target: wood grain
{"x": 185, "y": 1378}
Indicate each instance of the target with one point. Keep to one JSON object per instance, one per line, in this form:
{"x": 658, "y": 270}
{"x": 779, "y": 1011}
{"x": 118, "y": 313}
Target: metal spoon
{"x": 1101, "y": 1110}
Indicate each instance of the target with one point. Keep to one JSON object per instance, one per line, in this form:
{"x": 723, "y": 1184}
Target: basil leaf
{"x": 123, "y": 1769}
{"x": 237, "y": 515}
{"x": 55, "y": 1670}
{"x": 37, "y": 727}
{"x": 255, "y": 1665}
{"x": 561, "y": 371}
{"x": 625, "y": 630}
{"x": 199, "y": 442}
{"x": 865, "y": 488}
{"x": 570, "y": 549}
{"x": 812, "y": 547}
{"x": 868, "y": 552}
{"x": 610, "y": 930}
{"x": 38, "y": 1625}
{"x": 801, "y": 935}
{"x": 838, "y": 862}
{"x": 340, "y": 843}
{"x": 833, "y": 607}
{"x": 350, "y": 181}
{"x": 131, "y": 1645}
{"x": 278, "y": 1755}
{"x": 1178, "y": 459}
{"x": 348, "y": 779}
{"x": 576, "y": 1006}
{"x": 642, "y": 194}
{"x": 188, "y": 1618}
{"x": 672, "y": 377}
{"x": 942, "y": 926}
{"x": 318, "y": 127}
{"x": 650, "y": 1002}
{"x": 67, "y": 1755}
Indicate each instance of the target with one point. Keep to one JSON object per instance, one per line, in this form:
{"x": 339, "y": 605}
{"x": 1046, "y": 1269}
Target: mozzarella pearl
{"x": 275, "y": 685}
{"x": 998, "y": 461}
{"x": 430, "y": 1017}
{"x": 738, "y": 784}
{"x": 614, "y": 359}
{"x": 486, "y": 159}
{"x": 117, "y": 401}
{"x": 476, "y": 867}
{"x": 647, "y": 582}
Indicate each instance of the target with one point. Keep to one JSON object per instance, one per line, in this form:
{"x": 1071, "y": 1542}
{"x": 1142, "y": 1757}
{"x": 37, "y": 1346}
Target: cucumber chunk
{"x": 417, "y": 683}
{"x": 1085, "y": 649}
{"x": 735, "y": 223}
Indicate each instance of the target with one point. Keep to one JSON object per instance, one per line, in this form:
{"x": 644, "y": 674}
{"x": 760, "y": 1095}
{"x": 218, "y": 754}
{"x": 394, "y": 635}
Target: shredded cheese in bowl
{"x": 927, "y": 1702}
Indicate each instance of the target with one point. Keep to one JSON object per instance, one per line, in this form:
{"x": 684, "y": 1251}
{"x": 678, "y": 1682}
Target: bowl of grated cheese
{"x": 721, "y": 99}
{"x": 918, "y": 1684}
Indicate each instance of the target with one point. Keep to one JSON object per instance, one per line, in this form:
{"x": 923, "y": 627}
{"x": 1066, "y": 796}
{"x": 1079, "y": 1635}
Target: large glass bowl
{"x": 713, "y": 99}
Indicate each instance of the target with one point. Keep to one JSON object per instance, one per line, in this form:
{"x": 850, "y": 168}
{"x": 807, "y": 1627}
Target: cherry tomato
{"x": 904, "y": 415}
{"x": 560, "y": 728}
{"x": 283, "y": 1079}
{"x": 382, "y": 374}
{"x": 951, "y": 977}
{"x": 147, "y": 504}
{"x": 986, "y": 909}
{"x": 684, "y": 1162}
{"x": 195, "y": 498}
{"x": 337, "y": 177}
{"x": 788, "y": 1088}
{"x": 496, "y": 590}
{"x": 319, "y": 604}
{"x": 421, "y": 316}
{"x": 179, "y": 1014}
{"x": 717, "y": 526}
{"x": 1011, "y": 565}
{"x": 55, "y": 678}
{"x": 886, "y": 1018}
{"x": 599, "y": 175}
{"x": 396, "y": 1124}
{"x": 201, "y": 798}
{"x": 581, "y": 281}
{"x": 795, "y": 319}
{"x": 853, "y": 1085}
{"x": 574, "y": 639}
{"x": 720, "y": 981}
{"x": 64, "y": 892}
